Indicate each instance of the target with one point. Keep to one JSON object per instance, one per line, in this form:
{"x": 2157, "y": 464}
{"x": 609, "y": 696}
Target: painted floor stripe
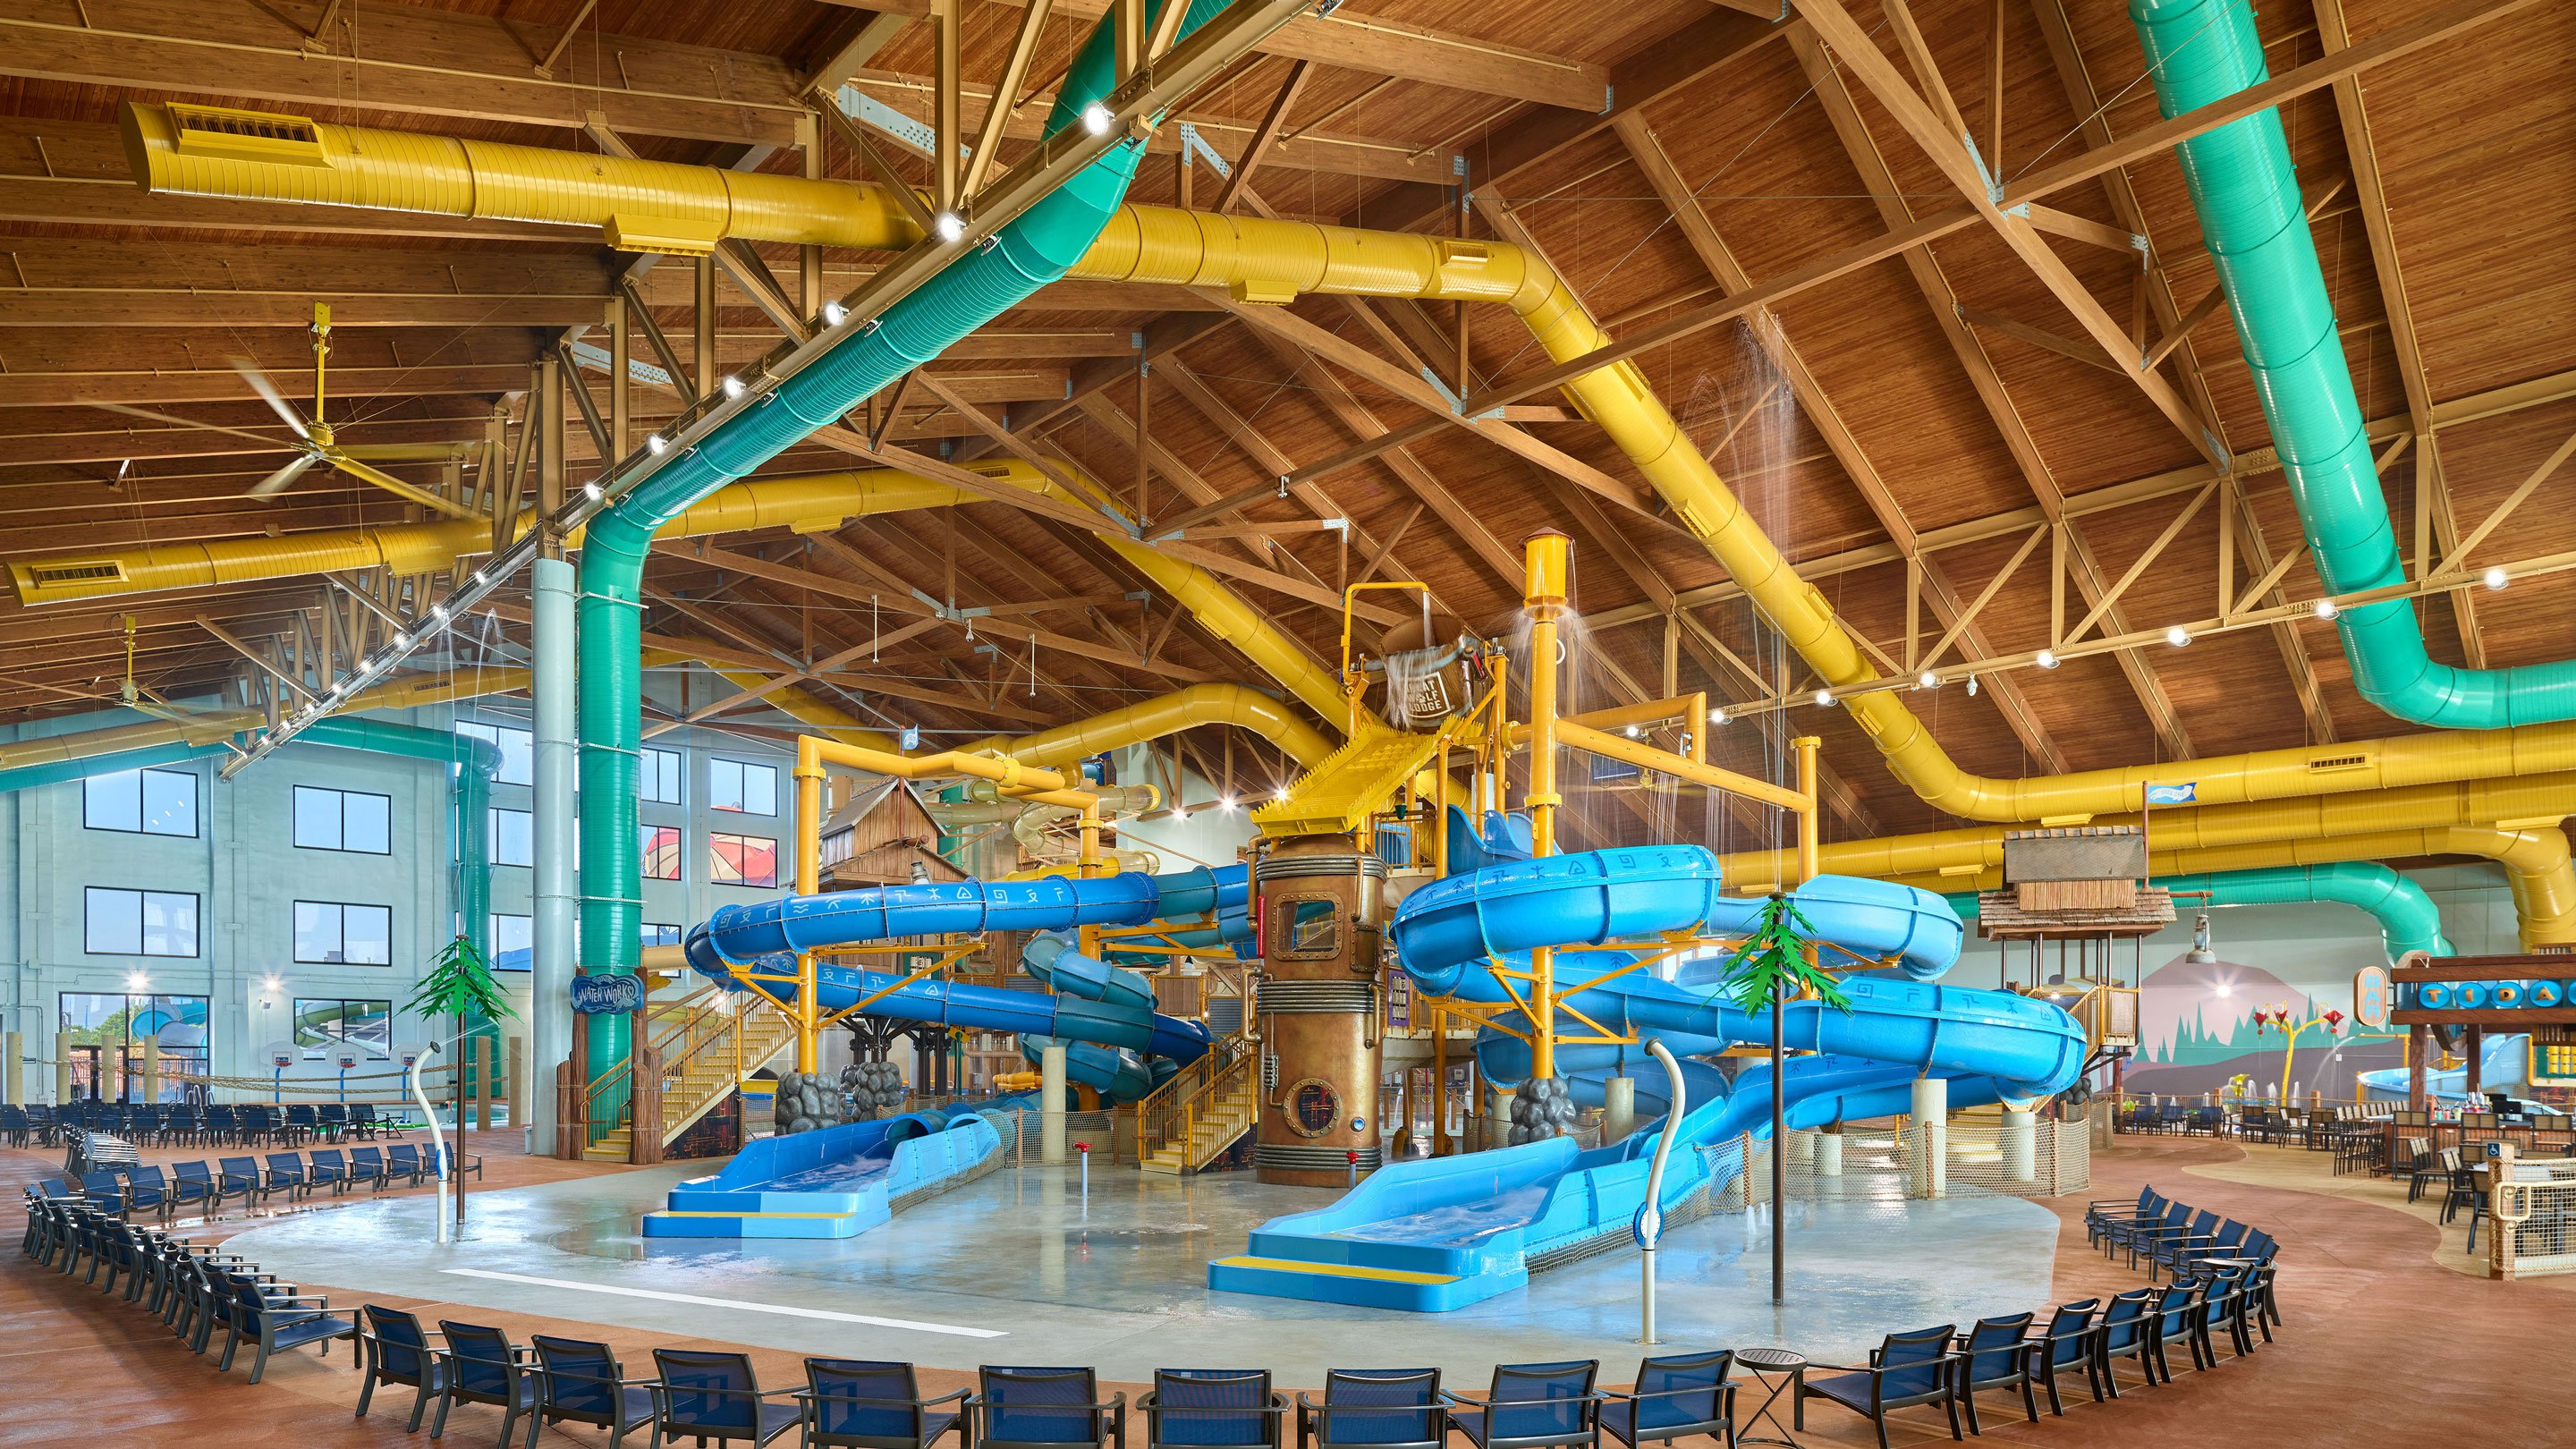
{"x": 781, "y": 1309}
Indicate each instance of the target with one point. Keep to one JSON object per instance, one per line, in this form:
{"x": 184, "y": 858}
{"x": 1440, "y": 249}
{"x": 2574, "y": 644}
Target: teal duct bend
{"x": 976, "y": 287}
{"x": 2408, "y": 919}
{"x": 2247, "y": 196}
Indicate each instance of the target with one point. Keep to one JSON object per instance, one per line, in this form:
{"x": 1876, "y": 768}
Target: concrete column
{"x": 1829, "y": 1152}
{"x": 1800, "y": 1150}
{"x": 13, "y": 1083}
{"x": 2020, "y": 1145}
{"x": 62, "y": 1070}
{"x": 479, "y": 1054}
{"x": 151, "y": 1087}
{"x": 1498, "y": 1119}
{"x": 1618, "y": 1108}
{"x": 1929, "y": 1124}
{"x": 1053, "y": 1147}
{"x": 554, "y": 933}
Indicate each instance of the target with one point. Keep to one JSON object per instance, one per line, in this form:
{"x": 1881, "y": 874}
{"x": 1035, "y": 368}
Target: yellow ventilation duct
{"x": 641, "y": 206}
{"x": 1238, "y": 705}
{"x": 2536, "y": 863}
{"x": 1274, "y": 261}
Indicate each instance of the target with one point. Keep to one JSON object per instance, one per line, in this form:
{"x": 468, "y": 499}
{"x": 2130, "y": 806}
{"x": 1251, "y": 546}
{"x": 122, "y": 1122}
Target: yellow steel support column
{"x": 1547, "y": 558}
{"x": 809, "y": 881}
{"x": 1808, "y": 849}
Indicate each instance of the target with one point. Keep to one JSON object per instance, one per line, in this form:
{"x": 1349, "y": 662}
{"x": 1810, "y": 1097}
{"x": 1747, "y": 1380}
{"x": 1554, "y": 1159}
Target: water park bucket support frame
{"x": 1547, "y": 564}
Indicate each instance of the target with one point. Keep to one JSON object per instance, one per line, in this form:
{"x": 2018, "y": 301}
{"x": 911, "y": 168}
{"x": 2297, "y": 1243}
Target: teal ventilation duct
{"x": 2244, "y": 189}
{"x": 980, "y": 284}
{"x": 2408, "y": 919}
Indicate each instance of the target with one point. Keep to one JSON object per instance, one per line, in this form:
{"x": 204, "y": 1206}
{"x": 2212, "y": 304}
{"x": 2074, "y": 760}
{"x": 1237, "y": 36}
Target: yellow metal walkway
{"x": 1338, "y": 796}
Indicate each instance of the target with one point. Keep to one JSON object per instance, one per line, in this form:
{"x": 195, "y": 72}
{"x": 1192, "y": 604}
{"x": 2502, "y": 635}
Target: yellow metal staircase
{"x": 1192, "y": 1119}
{"x": 705, "y": 1053}
{"x": 1353, "y": 782}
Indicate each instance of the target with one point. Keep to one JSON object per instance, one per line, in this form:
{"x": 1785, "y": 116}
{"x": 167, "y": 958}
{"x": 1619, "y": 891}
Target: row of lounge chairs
{"x": 126, "y": 1191}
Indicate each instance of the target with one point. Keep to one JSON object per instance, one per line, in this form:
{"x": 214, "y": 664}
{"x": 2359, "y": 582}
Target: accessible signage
{"x": 607, "y": 995}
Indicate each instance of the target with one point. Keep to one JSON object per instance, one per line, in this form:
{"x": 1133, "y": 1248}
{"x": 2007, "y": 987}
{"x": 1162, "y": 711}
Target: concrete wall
{"x": 247, "y": 874}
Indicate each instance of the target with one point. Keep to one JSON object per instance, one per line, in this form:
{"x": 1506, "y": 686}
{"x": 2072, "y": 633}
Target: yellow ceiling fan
{"x": 316, "y": 439}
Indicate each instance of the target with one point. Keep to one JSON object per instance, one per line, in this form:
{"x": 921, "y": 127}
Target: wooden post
{"x": 2473, "y": 1079}
{"x": 514, "y": 1081}
{"x": 644, "y": 1142}
{"x": 568, "y": 1136}
{"x": 2418, "y": 1045}
{"x": 482, "y": 1060}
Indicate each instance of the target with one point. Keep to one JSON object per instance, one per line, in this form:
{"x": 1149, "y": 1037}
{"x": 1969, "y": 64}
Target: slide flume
{"x": 843, "y": 1180}
{"x": 1440, "y": 1234}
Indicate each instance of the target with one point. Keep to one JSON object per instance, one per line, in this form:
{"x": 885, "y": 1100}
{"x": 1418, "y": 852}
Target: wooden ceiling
{"x": 1923, "y": 419}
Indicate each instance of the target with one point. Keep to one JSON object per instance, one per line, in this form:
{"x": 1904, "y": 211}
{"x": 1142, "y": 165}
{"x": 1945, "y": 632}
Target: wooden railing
{"x": 676, "y": 1035}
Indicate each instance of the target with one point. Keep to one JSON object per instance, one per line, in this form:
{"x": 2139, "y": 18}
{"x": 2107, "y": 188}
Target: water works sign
{"x": 607, "y": 995}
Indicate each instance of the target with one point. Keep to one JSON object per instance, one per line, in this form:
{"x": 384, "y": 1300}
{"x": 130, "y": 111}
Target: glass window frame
{"x": 295, "y": 816}
{"x": 295, "y": 933}
{"x": 742, "y": 776}
{"x": 142, "y": 802}
{"x": 715, "y": 869}
{"x": 142, "y": 941}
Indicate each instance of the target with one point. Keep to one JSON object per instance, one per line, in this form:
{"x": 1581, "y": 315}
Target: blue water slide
{"x": 1099, "y": 1011}
{"x": 1441, "y": 1234}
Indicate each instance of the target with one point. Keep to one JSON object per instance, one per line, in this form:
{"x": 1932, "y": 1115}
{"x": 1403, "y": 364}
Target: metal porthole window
{"x": 1312, "y": 1107}
{"x": 1309, "y": 928}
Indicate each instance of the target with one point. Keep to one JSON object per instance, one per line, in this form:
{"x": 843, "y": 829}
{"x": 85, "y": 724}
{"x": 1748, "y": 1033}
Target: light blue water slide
{"x": 844, "y": 1180}
{"x": 1100, "y": 1012}
{"x": 1440, "y": 1234}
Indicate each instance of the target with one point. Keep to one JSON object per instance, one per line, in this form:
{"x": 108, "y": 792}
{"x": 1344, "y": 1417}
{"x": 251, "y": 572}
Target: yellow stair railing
{"x": 1195, "y": 1117}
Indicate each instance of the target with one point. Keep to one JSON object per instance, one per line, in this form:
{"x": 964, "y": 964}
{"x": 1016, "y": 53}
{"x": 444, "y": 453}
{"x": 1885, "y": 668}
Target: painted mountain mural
{"x": 2196, "y": 1025}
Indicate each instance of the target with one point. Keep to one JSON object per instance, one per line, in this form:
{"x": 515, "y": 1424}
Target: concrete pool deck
{"x": 1013, "y": 1269}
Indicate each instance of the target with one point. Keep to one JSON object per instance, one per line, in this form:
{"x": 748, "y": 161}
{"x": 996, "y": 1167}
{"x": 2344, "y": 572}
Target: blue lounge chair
{"x": 583, "y": 1383}
{"x": 367, "y": 1164}
{"x": 2177, "y": 1320}
{"x": 706, "y": 1395}
{"x": 277, "y": 1320}
{"x": 1997, "y": 1358}
{"x": 2067, "y": 1342}
{"x": 328, "y": 1169}
{"x": 394, "y": 1349}
{"x": 482, "y": 1366}
{"x": 1532, "y": 1406}
{"x": 1043, "y": 1408}
{"x": 1213, "y": 1409}
{"x": 1679, "y": 1396}
{"x": 286, "y": 1173}
{"x": 1375, "y": 1409}
{"x": 1907, "y": 1370}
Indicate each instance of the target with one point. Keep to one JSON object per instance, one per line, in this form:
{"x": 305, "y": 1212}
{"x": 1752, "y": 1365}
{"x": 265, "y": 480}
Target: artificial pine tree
{"x": 459, "y": 984}
{"x": 1772, "y": 964}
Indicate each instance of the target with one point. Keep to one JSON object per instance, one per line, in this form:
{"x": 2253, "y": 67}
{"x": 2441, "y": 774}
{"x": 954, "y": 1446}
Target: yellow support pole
{"x": 1548, "y": 559}
{"x": 809, "y": 881}
{"x": 1808, "y": 848}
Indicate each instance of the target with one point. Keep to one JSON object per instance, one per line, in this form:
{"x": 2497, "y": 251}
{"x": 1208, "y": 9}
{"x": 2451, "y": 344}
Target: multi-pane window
{"x": 517, "y": 746}
{"x": 323, "y": 1022}
{"x": 659, "y": 773}
{"x": 742, "y": 788}
{"x": 147, "y": 802}
{"x": 662, "y": 933}
{"x": 661, "y": 851}
{"x": 742, "y": 860}
{"x": 334, "y": 933}
{"x": 513, "y": 837}
{"x": 343, "y": 820}
{"x": 513, "y": 934}
{"x": 139, "y": 923}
